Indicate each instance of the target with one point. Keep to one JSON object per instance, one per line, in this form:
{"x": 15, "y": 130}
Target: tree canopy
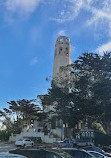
{"x": 89, "y": 93}
{"x": 18, "y": 113}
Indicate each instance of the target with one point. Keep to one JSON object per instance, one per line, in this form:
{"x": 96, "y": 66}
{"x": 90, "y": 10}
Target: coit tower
{"x": 62, "y": 56}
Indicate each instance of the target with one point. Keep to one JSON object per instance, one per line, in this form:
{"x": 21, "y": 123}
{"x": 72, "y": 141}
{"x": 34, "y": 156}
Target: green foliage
{"x": 92, "y": 86}
{"x": 44, "y": 100}
{"x": 19, "y": 112}
{"x": 23, "y": 110}
{"x": 4, "y": 135}
{"x": 87, "y": 94}
{"x": 97, "y": 126}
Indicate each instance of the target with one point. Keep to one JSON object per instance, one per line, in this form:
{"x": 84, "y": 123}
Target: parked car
{"x": 107, "y": 148}
{"x": 84, "y": 142}
{"x": 93, "y": 148}
{"x": 6, "y": 155}
{"x": 23, "y": 142}
{"x": 78, "y": 153}
{"x": 98, "y": 155}
{"x": 37, "y": 140}
{"x": 41, "y": 153}
{"x": 64, "y": 143}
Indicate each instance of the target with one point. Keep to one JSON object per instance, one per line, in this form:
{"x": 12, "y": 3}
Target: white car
{"x": 23, "y": 142}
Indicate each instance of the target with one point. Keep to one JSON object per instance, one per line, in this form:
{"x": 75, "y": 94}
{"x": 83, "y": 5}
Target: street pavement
{"x": 5, "y": 147}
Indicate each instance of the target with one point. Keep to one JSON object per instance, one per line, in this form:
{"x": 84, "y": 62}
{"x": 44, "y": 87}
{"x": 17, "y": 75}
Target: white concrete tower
{"x": 62, "y": 56}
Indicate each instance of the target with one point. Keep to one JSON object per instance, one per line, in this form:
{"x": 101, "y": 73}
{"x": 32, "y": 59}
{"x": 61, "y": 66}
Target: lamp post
{"x": 62, "y": 131}
{"x": 86, "y": 124}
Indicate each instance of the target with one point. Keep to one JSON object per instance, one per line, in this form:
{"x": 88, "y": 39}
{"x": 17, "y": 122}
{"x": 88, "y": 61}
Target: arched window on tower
{"x": 61, "y": 40}
{"x": 66, "y": 40}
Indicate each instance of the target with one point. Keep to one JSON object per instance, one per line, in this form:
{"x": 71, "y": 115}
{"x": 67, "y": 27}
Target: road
{"x": 5, "y": 147}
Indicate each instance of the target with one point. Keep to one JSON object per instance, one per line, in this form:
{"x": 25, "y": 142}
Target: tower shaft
{"x": 62, "y": 56}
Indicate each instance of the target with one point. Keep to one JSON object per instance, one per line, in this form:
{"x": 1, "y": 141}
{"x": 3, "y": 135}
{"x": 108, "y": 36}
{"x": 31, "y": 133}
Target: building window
{"x": 66, "y": 40}
{"x": 66, "y": 51}
{"x": 60, "y": 50}
{"x": 61, "y": 40}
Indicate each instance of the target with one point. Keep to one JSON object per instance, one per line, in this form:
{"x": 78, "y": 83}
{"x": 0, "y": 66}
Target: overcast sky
{"x": 28, "y": 32}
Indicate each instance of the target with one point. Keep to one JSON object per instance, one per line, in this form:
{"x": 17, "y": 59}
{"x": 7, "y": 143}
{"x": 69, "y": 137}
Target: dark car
{"x": 77, "y": 153}
{"x": 41, "y": 153}
{"x": 64, "y": 143}
{"x": 98, "y": 155}
{"x": 93, "y": 148}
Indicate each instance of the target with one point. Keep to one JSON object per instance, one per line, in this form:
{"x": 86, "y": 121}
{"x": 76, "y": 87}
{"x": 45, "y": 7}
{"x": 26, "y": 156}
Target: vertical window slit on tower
{"x": 60, "y": 50}
{"x": 66, "y": 51}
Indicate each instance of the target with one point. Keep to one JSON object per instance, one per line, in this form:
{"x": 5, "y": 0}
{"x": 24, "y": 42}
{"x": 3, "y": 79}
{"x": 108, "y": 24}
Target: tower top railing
{"x": 63, "y": 40}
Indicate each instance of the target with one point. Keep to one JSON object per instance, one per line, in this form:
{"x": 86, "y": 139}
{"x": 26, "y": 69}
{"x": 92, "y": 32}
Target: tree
{"x": 6, "y": 122}
{"x": 28, "y": 109}
{"x": 92, "y": 80}
{"x": 65, "y": 109}
{"x": 19, "y": 113}
{"x": 86, "y": 94}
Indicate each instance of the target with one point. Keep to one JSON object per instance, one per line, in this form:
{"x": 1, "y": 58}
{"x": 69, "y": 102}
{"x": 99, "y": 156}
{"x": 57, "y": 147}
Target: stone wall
{"x": 45, "y": 138}
{"x": 31, "y": 133}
